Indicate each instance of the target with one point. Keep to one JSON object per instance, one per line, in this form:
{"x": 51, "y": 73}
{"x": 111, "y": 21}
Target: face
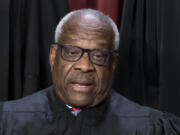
{"x": 82, "y": 83}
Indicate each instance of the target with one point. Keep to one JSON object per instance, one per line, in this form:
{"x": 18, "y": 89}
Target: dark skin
{"x": 81, "y": 83}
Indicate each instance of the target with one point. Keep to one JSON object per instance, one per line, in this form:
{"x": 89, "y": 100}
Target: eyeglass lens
{"x": 73, "y": 53}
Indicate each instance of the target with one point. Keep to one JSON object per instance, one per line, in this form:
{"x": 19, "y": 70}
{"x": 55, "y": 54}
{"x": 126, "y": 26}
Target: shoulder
{"x": 33, "y": 102}
{"x": 125, "y": 107}
{"x": 144, "y": 119}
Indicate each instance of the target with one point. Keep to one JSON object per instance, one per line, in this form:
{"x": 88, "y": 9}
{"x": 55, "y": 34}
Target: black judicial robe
{"x": 43, "y": 113}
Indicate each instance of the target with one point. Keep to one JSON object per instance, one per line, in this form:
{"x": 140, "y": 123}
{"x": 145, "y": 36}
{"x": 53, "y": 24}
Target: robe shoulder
{"x": 37, "y": 102}
{"x": 165, "y": 124}
{"x": 44, "y": 110}
{"x": 148, "y": 121}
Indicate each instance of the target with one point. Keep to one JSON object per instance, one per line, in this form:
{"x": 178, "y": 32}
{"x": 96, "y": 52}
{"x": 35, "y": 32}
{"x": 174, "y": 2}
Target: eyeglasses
{"x": 96, "y": 56}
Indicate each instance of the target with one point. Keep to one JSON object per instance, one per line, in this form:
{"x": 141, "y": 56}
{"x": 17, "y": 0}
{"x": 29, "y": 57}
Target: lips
{"x": 82, "y": 85}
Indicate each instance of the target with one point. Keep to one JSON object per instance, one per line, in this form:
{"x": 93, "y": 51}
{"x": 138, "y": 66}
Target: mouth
{"x": 82, "y": 86}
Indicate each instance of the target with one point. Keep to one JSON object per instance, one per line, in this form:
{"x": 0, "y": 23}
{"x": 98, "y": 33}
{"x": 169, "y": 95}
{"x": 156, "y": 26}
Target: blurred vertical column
{"x": 4, "y": 48}
{"x": 26, "y": 33}
{"x": 32, "y": 28}
{"x": 169, "y": 55}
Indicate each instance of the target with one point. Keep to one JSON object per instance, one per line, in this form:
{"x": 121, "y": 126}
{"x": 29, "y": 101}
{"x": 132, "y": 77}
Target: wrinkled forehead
{"x": 88, "y": 27}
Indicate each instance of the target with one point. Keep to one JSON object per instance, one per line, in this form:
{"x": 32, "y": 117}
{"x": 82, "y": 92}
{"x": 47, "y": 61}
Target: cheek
{"x": 61, "y": 71}
{"x": 105, "y": 78}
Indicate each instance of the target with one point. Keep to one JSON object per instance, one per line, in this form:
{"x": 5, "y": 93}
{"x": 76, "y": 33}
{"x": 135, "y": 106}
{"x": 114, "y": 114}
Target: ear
{"x": 115, "y": 61}
{"x": 52, "y": 56}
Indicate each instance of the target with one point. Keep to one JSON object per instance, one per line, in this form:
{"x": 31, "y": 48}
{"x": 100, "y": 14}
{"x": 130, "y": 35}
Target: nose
{"x": 84, "y": 64}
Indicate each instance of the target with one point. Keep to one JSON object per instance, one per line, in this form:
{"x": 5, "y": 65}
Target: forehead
{"x": 87, "y": 29}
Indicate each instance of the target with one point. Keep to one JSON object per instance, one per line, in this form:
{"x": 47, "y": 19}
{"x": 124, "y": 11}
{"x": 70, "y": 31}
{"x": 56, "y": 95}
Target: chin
{"x": 81, "y": 103}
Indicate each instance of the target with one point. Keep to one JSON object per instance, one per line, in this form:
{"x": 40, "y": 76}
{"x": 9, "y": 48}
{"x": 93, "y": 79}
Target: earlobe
{"x": 52, "y": 56}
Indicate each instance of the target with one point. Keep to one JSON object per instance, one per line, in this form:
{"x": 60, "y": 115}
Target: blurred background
{"x": 149, "y": 67}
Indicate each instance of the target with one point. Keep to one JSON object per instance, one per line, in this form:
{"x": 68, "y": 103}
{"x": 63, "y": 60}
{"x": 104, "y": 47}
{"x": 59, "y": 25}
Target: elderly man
{"x": 81, "y": 102}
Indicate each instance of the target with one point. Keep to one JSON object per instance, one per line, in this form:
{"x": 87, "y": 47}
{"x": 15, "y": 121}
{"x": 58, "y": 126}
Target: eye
{"x": 98, "y": 56}
{"x": 71, "y": 51}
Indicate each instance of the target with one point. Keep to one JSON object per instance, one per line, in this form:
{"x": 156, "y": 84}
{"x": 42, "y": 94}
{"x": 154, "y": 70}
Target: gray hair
{"x": 116, "y": 39}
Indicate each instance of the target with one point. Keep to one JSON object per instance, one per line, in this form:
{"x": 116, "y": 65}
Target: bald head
{"x": 88, "y": 20}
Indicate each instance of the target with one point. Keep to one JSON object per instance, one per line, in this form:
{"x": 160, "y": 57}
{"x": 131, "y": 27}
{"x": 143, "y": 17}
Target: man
{"x": 83, "y": 60}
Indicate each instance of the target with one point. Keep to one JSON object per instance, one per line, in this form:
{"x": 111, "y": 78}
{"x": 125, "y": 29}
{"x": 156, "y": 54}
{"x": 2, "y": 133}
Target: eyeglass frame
{"x": 88, "y": 51}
